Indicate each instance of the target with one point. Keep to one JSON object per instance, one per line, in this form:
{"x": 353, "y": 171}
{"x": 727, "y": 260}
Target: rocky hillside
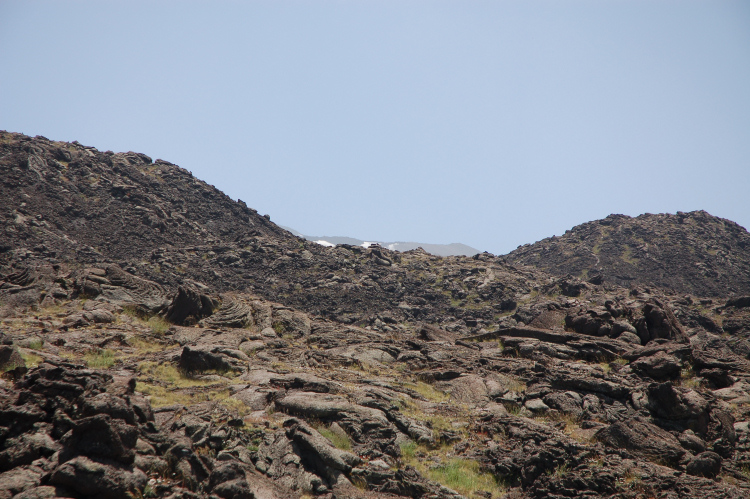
{"x": 70, "y": 204}
{"x": 84, "y": 205}
{"x": 178, "y": 345}
{"x": 693, "y": 253}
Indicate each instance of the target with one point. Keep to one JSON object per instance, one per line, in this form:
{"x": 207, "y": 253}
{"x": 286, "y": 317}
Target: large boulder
{"x": 707, "y": 464}
{"x": 661, "y": 365}
{"x": 99, "y": 480}
{"x": 643, "y": 439}
{"x": 204, "y": 359}
{"x": 191, "y": 303}
{"x": 10, "y": 358}
{"x": 685, "y": 406}
{"x": 659, "y": 321}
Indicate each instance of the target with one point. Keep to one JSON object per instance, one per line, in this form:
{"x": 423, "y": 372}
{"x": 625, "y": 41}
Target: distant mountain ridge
{"x": 693, "y": 252}
{"x": 452, "y": 249}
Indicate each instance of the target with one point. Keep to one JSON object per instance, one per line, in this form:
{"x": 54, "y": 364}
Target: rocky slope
{"x": 217, "y": 355}
{"x": 694, "y": 253}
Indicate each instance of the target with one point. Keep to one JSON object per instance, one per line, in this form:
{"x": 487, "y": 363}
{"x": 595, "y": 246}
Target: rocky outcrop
{"x": 693, "y": 253}
{"x": 191, "y": 303}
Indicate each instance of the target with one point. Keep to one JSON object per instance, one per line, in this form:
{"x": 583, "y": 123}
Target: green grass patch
{"x": 428, "y": 391}
{"x": 145, "y": 346}
{"x": 158, "y": 325}
{"x": 30, "y": 360}
{"x": 464, "y": 476}
{"x": 161, "y": 396}
{"x": 409, "y": 450}
{"x": 169, "y": 374}
{"x": 235, "y": 405}
{"x": 155, "y": 376}
{"x": 627, "y": 256}
{"x": 100, "y": 359}
{"x": 36, "y": 344}
{"x": 339, "y": 440}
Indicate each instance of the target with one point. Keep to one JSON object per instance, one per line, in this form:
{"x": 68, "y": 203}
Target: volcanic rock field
{"x": 159, "y": 339}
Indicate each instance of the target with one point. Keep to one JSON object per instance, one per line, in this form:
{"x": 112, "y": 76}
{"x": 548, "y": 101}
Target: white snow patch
{"x": 325, "y": 243}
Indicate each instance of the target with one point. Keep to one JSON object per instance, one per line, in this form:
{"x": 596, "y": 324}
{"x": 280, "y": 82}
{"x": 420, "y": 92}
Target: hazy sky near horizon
{"x": 491, "y": 123}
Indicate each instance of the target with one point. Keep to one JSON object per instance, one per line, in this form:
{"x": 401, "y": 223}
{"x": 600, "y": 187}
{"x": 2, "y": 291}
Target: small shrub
{"x": 688, "y": 378}
{"x": 132, "y": 311}
{"x": 514, "y": 410}
{"x": 359, "y": 482}
{"x": 560, "y": 471}
{"x": 158, "y": 325}
{"x": 149, "y": 491}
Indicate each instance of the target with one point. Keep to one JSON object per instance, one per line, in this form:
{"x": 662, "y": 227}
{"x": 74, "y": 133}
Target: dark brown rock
{"x": 643, "y": 439}
{"x": 661, "y": 365}
{"x": 706, "y": 464}
{"x": 190, "y": 304}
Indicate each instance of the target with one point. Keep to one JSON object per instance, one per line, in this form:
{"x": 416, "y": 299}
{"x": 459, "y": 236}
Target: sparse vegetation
{"x": 560, "y": 470}
{"x": 162, "y": 396}
{"x": 144, "y": 345}
{"x": 171, "y": 375}
{"x": 460, "y": 474}
{"x": 688, "y": 378}
{"x": 513, "y": 384}
{"x": 428, "y": 391}
{"x": 408, "y": 450}
{"x": 339, "y": 439}
{"x": 36, "y": 344}
{"x": 464, "y": 476}
{"x": 100, "y": 359}
{"x": 31, "y": 360}
{"x": 158, "y": 325}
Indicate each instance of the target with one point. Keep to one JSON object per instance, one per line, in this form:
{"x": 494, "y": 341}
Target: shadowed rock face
{"x": 694, "y": 253}
{"x": 190, "y": 360}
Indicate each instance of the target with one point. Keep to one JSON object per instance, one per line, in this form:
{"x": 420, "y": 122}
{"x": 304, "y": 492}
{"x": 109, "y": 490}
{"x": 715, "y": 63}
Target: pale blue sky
{"x": 493, "y": 124}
